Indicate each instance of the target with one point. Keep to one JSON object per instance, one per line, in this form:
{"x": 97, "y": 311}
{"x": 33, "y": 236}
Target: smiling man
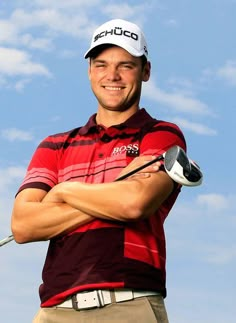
{"x": 106, "y": 256}
{"x": 116, "y": 79}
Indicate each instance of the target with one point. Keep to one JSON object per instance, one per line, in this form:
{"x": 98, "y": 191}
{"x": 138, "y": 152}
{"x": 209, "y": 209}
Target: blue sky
{"x": 44, "y": 89}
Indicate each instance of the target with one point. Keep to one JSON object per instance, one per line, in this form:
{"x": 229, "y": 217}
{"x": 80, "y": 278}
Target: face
{"x": 116, "y": 79}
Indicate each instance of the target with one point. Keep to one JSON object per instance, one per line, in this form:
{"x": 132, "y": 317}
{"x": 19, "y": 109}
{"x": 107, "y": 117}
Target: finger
{"x": 152, "y": 168}
{"x": 140, "y": 175}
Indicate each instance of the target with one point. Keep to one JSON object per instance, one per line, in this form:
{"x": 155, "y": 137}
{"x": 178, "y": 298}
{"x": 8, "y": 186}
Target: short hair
{"x": 97, "y": 51}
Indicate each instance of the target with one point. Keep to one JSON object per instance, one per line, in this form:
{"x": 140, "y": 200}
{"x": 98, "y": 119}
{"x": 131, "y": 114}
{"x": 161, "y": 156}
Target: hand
{"x": 140, "y": 161}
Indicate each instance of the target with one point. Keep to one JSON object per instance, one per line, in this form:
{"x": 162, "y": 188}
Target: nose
{"x": 113, "y": 73}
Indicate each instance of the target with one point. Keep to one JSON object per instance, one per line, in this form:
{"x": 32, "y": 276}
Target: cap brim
{"x": 129, "y": 49}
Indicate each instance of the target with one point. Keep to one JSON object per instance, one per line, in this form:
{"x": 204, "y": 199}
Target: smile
{"x": 113, "y": 88}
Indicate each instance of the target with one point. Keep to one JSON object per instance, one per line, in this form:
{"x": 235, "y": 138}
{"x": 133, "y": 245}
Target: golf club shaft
{"x": 6, "y": 240}
{"x": 134, "y": 171}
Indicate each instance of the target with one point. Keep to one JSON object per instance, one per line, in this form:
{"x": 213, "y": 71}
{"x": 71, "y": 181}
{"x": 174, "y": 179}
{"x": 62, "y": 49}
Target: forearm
{"x": 123, "y": 201}
{"x": 40, "y": 221}
{"x": 103, "y": 201}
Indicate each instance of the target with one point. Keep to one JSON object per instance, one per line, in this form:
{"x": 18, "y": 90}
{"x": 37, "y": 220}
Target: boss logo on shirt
{"x": 132, "y": 150}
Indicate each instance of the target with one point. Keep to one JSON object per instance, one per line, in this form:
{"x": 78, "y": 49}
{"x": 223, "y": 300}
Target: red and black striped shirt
{"x": 103, "y": 254}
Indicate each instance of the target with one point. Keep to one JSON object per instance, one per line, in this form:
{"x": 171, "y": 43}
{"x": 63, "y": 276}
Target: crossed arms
{"x": 38, "y": 215}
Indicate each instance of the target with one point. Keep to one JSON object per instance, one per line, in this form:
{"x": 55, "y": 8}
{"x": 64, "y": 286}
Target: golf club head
{"x": 180, "y": 168}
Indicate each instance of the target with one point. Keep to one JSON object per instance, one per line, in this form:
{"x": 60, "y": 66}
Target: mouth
{"x": 113, "y": 88}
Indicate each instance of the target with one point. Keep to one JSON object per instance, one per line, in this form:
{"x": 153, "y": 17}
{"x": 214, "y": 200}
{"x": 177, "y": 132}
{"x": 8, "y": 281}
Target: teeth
{"x": 113, "y": 88}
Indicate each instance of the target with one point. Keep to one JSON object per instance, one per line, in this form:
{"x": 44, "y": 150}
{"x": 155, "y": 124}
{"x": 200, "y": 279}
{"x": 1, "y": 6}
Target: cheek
{"x": 96, "y": 77}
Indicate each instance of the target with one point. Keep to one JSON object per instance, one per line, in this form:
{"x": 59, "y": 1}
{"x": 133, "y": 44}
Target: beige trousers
{"x": 149, "y": 309}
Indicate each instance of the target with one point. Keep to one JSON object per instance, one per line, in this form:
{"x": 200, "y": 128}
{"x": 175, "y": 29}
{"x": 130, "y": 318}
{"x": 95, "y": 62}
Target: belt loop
{"x": 112, "y": 295}
{"x": 124, "y": 295}
{"x": 74, "y": 302}
{"x": 100, "y": 298}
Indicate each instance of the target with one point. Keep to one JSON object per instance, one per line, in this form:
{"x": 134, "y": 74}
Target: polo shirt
{"x": 103, "y": 254}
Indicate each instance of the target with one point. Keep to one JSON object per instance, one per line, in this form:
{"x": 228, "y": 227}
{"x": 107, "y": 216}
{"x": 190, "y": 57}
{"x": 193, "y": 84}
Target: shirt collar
{"x": 137, "y": 120}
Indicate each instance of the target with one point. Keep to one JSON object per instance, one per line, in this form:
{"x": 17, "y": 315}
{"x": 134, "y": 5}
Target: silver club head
{"x": 180, "y": 168}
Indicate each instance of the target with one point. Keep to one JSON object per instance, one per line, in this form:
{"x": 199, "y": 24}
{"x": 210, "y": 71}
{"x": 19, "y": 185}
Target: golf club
{"x": 6, "y": 240}
{"x": 177, "y": 165}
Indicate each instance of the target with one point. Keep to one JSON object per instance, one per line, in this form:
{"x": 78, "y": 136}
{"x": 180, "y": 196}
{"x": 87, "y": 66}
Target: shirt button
{"x": 105, "y": 138}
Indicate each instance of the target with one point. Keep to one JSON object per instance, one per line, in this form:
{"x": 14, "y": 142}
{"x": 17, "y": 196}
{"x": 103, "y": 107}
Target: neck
{"x": 110, "y": 118}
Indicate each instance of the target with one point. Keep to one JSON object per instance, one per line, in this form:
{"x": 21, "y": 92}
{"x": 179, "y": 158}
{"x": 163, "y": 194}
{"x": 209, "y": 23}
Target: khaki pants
{"x": 149, "y": 309}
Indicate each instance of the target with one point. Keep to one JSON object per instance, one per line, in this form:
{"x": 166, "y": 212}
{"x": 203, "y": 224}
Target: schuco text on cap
{"x": 121, "y": 33}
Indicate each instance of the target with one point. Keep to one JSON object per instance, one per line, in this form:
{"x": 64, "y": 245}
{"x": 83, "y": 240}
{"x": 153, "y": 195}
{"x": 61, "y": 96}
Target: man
{"x": 106, "y": 257}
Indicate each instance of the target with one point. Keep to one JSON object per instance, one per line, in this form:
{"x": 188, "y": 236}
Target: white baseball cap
{"x": 121, "y": 33}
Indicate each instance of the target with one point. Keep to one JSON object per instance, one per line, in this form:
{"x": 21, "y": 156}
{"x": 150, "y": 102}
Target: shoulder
{"x": 151, "y": 124}
{"x": 164, "y": 134}
{"x": 162, "y": 125}
{"x": 58, "y": 140}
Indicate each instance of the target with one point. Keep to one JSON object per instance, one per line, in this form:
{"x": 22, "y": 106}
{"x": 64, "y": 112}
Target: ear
{"x": 146, "y": 71}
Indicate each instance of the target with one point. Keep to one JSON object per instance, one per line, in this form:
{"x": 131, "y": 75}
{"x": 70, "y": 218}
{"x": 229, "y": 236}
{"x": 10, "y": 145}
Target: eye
{"x": 99, "y": 65}
{"x": 127, "y": 66}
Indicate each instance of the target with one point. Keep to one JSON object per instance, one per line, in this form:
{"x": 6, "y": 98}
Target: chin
{"x": 115, "y": 108}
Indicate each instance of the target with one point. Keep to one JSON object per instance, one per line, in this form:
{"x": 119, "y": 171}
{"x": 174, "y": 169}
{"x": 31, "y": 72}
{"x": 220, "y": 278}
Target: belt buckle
{"x": 87, "y": 300}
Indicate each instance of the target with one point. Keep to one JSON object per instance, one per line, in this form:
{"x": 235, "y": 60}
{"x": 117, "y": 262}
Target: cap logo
{"x": 118, "y": 31}
{"x": 145, "y": 49}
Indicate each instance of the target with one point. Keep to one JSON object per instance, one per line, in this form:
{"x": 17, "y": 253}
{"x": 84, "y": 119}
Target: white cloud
{"x": 14, "y": 62}
{"x": 38, "y": 28}
{"x": 3, "y": 82}
{"x": 36, "y": 43}
{"x": 59, "y": 17}
{"x": 214, "y": 201}
{"x": 10, "y": 175}
{"x": 195, "y": 127}
{"x": 225, "y": 73}
{"x": 52, "y": 22}
{"x": 176, "y": 101}
{"x": 209, "y": 204}
{"x": 228, "y": 72}
{"x": 13, "y": 134}
{"x": 20, "y": 85}
{"x": 220, "y": 255}
{"x": 125, "y": 11}
{"x": 171, "y": 23}
{"x": 8, "y": 32}
{"x": 181, "y": 85}
{"x": 62, "y": 4}
{"x": 67, "y": 54}
{"x": 12, "y": 34}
